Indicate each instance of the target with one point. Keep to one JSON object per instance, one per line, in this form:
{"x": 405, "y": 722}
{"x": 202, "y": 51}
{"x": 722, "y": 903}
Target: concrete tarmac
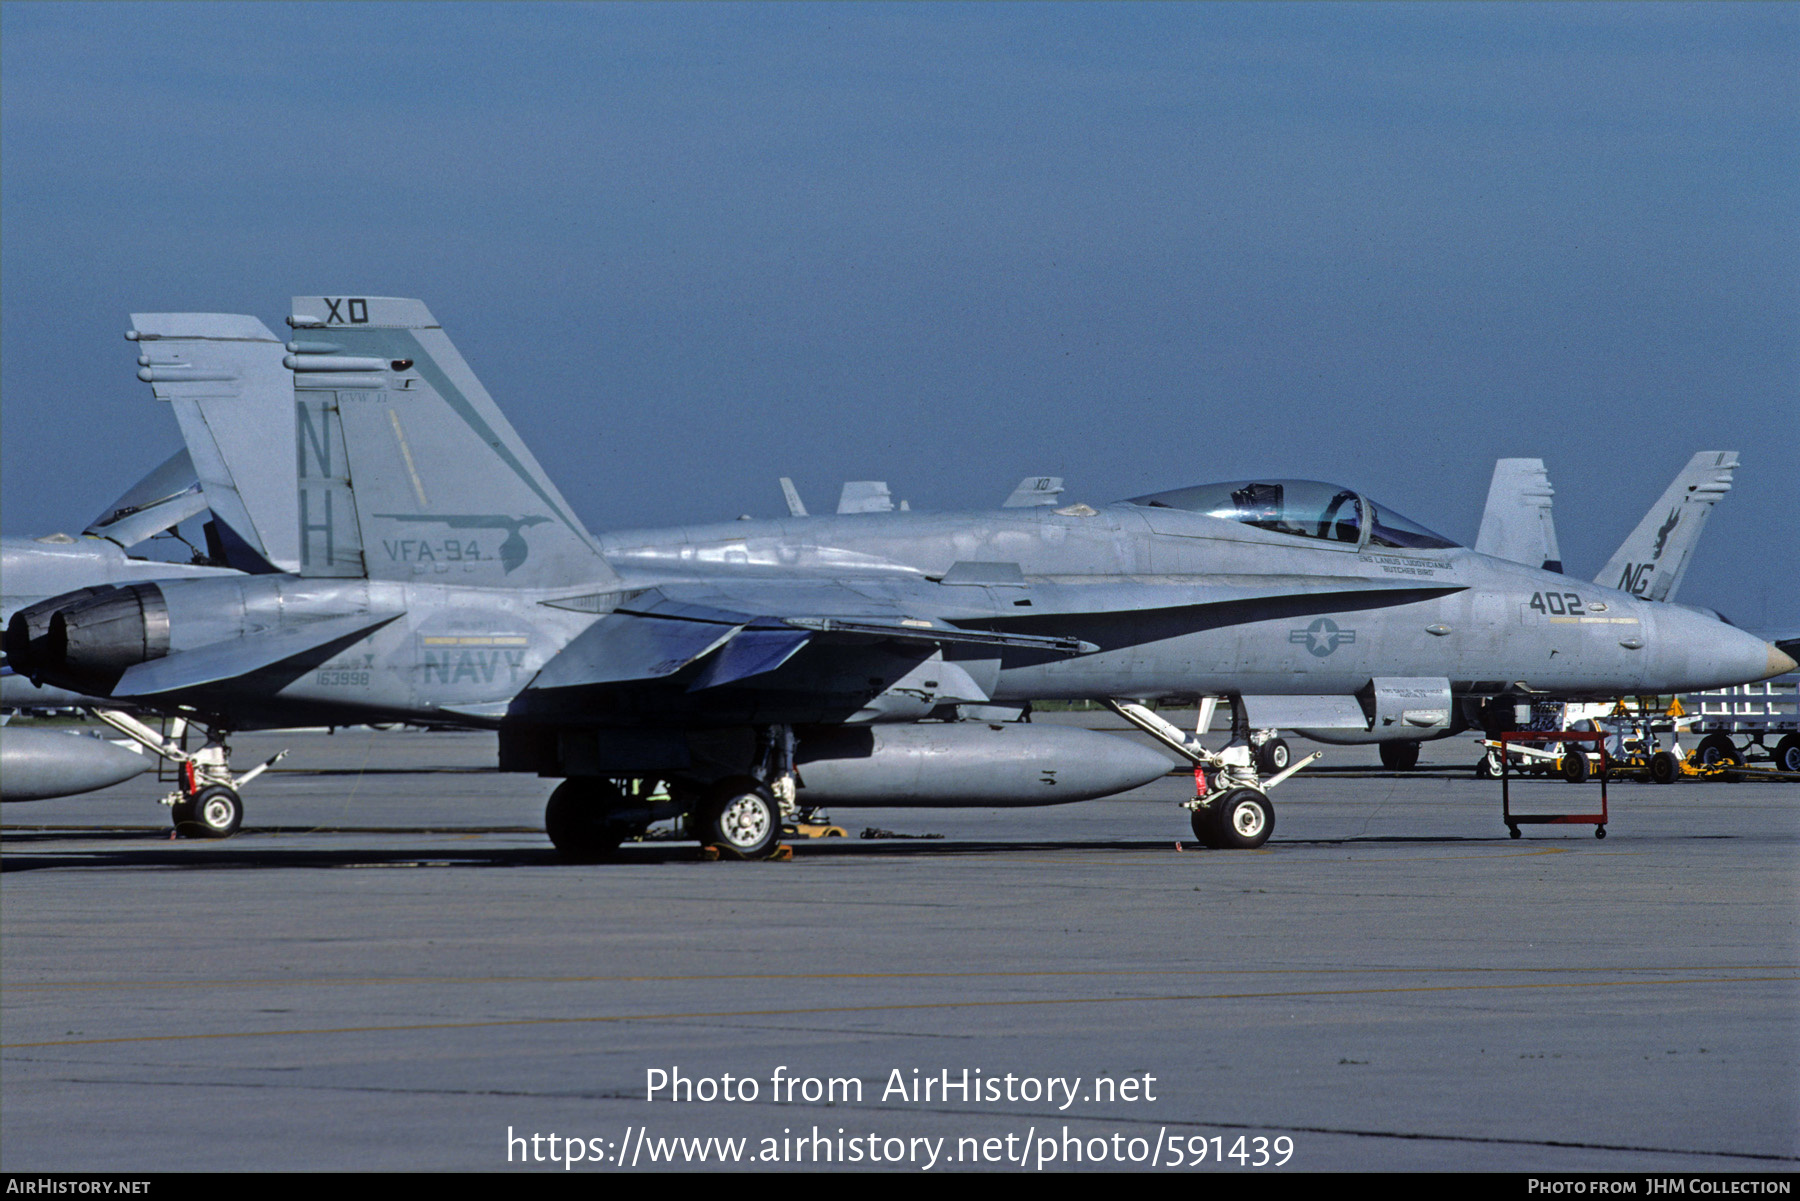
{"x": 389, "y": 970}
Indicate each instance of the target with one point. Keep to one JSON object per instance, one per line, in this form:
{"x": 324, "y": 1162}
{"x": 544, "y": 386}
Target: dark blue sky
{"x": 691, "y": 249}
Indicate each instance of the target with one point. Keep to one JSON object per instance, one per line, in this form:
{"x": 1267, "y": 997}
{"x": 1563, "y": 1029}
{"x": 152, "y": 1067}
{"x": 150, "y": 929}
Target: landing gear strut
{"x": 208, "y": 800}
{"x": 1231, "y": 809}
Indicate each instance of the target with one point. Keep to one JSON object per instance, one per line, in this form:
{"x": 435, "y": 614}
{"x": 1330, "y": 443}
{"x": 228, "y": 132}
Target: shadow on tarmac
{"x": 153, "y": 850}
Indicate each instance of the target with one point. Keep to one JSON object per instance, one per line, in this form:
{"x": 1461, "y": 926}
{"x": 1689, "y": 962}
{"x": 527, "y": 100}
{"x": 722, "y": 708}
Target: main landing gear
{"x": 734, "y": 817}
{"x": 208, "y": 800}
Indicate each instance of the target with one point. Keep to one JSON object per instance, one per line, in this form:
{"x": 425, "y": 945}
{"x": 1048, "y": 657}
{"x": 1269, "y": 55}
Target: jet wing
{"x": 656, "y": 633}
{"x": 240, "y": 656}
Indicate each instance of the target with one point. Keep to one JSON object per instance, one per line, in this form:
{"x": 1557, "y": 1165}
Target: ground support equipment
{"x": 1576, "y": 769}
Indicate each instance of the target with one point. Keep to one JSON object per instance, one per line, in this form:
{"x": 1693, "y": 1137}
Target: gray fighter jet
{"x": 441, "y": 577}
{"x": 231, "y": 394}
{"x": 1517, "y": 525}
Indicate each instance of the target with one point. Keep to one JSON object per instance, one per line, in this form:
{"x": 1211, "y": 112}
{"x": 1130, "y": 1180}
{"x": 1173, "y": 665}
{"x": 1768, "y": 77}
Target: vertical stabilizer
{"x": 1035, "y": 490}
{"x": 1516, "y": 525}
{"x": 1651, "y": 562}
{"x": 865, "y": 496}
{"x": 222, "y": 374}
{"x": 792, "y": 495}
{"x": 408, "y": 469}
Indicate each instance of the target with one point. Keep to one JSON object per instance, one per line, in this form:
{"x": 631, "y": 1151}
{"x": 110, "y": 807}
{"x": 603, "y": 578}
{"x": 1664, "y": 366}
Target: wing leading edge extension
{"x": 751, "y": 630}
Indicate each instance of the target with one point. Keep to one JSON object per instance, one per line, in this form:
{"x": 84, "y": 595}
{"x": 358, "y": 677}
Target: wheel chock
{"x": 781, "y": 852}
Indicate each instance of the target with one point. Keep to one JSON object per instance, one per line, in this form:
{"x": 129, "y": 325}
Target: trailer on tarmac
{"x": 1732, "y": 722}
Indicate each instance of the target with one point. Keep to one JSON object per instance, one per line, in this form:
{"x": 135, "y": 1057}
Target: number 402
{"x": 1557, "y": 603}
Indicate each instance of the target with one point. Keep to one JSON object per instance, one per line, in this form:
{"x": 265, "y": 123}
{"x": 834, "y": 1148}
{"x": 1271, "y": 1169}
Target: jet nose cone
{"x": 1697, "y": 651}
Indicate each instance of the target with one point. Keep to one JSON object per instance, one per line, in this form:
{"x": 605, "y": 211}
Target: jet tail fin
{"x": 792, "y": 495}
{"x": 865, "y": 496}
{"x": 408, "y": 469}
{"x": 222, "y": 374}
{"x": 1035, "y": 490}
{"x": 1516, "y": 525}
{"x": 1651, "y": 562}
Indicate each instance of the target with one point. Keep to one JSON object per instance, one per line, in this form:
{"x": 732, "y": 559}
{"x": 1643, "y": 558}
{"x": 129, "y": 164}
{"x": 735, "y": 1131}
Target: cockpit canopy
{"x": 1302, "y": 508}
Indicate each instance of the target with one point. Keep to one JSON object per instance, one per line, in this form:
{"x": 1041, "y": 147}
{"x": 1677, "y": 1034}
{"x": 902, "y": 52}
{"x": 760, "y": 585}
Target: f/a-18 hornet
{"x": 442, "y": 578}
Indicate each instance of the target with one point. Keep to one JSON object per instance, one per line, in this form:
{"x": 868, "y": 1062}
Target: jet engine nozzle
{"x": 28, "y": 632}
{"x": 104, "y": 635}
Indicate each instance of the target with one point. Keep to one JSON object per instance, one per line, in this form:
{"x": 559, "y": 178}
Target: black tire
{"x": 1243, "y": 819}
{"x": 739, "y": 816}
{"x": 576, "y": 819}
{"x": 1787, "y": 754}
{"x": 214, "y": 812}
{"x": 1399, "y": 756}
{"x": 1722, "y": 755}
{"x": 1512, "y": 831}
{"x": 1488, "y": 766}
{"x": 1664, "y": 767}
{"x": 1575, "y": 766}
{"x": 1717, "y": 748}
{"x": 1273, "y": 756}
{"x": 1206, "y": 826}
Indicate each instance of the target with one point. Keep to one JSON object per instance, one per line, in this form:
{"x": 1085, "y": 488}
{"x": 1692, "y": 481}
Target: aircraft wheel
{"x": 216, "y": 812}
{"x": 740, "y": 817}
{"x": 1717, "y": 748}
{"x": 1273, "y": 756}
{"x": 575, "y": 818}
{"x": 1399, "y": 756}
{"x": 1787, "y": 754}
{"x": 1736, "y": 759}
{"x": 1488, "y": 767}
{"x": 1664, "y": 768}
{"x": 1206, "y": 825}
{"x": 1575, "y": 767}
{"x": 1243, "y": 820}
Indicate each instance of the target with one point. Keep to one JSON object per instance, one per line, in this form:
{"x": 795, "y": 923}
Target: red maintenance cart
{"x": 1574, "y": 767}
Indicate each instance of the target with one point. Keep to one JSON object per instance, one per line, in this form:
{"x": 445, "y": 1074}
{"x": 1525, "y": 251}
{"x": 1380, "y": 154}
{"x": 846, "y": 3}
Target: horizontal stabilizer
{"x": 161, "y": 500}
{"x": 240, "y": 656}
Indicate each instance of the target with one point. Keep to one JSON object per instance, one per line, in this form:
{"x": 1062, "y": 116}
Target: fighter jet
{"x": 224, "y": 378}
{"x": 1517, "y": 525}
{"x": 744, "y": 663}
